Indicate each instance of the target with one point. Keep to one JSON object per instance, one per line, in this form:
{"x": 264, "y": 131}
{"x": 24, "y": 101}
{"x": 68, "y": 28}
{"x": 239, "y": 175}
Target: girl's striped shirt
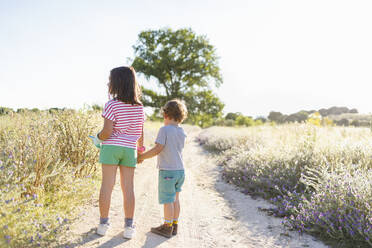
{"x": 128, "y": 122}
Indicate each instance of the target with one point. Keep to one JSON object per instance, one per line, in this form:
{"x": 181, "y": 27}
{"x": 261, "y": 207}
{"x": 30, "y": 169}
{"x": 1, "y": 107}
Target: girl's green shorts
{"x": 118, "y": 155}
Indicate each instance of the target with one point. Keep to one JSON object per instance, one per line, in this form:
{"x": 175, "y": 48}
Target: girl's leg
{"x": 177, "y": 207}
{"x": 108, "y": 182}
{"x": 127, "y": 186}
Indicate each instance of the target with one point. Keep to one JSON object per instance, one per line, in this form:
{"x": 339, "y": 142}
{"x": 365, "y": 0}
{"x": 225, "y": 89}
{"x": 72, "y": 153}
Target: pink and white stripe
{"x": 128, "y": 122}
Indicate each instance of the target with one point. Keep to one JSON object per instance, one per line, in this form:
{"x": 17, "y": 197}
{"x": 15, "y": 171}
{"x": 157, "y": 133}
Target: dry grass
{"x": 319, "y": 177}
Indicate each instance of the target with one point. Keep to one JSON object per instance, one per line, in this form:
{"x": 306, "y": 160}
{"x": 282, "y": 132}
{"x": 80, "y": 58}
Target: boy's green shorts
{"x": 118, "y": 155}
{"x": 170, "y": 182}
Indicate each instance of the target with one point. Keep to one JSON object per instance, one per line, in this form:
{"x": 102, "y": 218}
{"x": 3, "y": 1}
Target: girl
{"x": 122, "y": 133}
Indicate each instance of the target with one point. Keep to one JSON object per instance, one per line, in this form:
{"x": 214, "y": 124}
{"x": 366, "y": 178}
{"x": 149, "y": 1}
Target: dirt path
{"x": 213, "y": 214}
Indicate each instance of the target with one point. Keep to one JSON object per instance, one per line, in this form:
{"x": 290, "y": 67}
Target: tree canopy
{"x": 185, "y": 66}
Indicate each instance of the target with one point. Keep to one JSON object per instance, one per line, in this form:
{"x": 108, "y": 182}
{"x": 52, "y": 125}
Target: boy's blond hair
{"x": 175, "y": 109}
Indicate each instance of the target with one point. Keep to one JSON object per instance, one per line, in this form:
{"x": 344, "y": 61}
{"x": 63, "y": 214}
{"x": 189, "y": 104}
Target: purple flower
{"x": 34, "y": 196}
{"x": 5, "y": 226}
{"x": 7, "y": 237}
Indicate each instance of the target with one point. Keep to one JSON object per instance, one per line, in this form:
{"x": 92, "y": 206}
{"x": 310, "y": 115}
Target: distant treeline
{"x": 340, "y": 116}
{"x": 5, "y": 110}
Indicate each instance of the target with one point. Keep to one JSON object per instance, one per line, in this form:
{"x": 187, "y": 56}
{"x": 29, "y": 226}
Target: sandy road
{"x": 213, "y": 214}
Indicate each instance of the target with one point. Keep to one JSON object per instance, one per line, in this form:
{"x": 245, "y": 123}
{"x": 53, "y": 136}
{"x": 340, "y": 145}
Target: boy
{"x": 168, "y": 146}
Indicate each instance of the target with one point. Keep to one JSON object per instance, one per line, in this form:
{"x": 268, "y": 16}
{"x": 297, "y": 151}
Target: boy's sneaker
{"x": 102, "y": 229}
{"x": 129, "y": 232}
{"x": 163, "y": 230}
{"x": 175, "y": 229}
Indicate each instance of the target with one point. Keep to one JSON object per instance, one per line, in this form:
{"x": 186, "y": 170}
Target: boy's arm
{"x": 151, "y": 153}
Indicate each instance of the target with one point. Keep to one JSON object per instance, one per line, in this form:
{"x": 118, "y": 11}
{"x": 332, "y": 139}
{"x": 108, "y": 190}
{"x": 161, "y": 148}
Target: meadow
{"x": 318, "y": 178}
{"x": 48, "y": 169}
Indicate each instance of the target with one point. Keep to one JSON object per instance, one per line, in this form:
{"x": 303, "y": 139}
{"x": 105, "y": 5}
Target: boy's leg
{"x": 168, "y": 213}
{"x": 177, "y": 207}
{"x": 108, "y": 182}
{"x": 166, "y": 229}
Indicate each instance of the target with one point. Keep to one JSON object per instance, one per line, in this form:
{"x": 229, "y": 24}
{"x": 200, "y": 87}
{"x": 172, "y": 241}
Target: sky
{"x": 274, "y": 55}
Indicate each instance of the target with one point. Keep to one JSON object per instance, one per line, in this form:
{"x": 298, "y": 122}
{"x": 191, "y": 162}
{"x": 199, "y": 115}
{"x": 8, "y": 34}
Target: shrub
{"x": 46, "y": 172}
{"x": 5, "y": 111}
{"x": 318, "y": 177}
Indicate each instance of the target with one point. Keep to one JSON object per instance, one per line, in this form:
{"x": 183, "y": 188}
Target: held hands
{"x": 139, "y": 159}
{"x": 140, "y": 150}
{"x": 96, "y": 141}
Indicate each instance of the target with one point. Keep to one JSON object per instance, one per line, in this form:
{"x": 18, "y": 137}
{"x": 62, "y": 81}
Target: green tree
{"x": 203, "y": 107}
{"x": 5, "y": 111}
{"x": 297, "y": 117}
{"x": 184, "y": 66}
{"x": 97, "y": 107}
{"x": 242, "y": 120}
{"x": 232, "y": 116}
{"x": 343, "y": 122}
{"x": 261, "y": 119}
{"x": 276, "y": 117}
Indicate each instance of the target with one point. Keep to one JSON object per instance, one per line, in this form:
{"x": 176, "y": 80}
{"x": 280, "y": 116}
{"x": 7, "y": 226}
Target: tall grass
{"x": 47, "y": 164}
{"x": 318, "y": 177}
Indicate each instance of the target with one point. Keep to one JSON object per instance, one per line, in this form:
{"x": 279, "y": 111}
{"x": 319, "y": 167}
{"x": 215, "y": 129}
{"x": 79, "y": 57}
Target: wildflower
{"x": 5, "y": 226}
{"x": 34, "y": 196}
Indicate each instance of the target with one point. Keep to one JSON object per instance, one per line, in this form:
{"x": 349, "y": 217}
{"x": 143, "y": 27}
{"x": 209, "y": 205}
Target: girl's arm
{"x": 151, "y": 153}
{"x": 141, "y": 139}
{"x": 108, "y": 126}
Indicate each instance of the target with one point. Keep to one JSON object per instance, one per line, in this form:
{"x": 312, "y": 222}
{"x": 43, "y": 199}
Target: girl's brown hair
{"x": 123, "y": 85}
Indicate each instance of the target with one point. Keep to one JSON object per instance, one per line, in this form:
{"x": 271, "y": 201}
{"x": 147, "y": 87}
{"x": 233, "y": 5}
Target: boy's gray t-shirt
{"x": 173, "y": 139}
